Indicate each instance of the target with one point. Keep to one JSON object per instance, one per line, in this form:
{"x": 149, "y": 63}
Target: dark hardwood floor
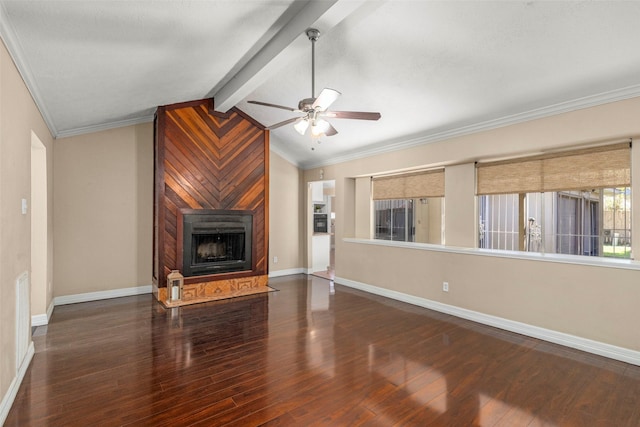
{"x": 308, "y": 355}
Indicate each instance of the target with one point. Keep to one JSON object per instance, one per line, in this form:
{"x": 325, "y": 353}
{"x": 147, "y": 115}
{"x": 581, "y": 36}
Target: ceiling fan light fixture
{"x": 301, "y": 126}
{"x": 313, "y": 108}
{"x": 319, "y": 127}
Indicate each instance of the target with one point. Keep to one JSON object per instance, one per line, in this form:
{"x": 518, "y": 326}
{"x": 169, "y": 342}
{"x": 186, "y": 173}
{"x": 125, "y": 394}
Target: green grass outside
{"x": 616, "y": 251}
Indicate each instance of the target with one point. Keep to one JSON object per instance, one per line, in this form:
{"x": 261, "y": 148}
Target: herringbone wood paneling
{"x": 206, "y": 161}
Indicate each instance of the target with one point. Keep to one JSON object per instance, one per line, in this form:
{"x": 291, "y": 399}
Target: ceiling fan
{"x": 315, "y": 109}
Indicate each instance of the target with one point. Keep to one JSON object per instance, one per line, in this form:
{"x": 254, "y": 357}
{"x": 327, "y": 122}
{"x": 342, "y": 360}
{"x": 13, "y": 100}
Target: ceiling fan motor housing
{"x": 306, "y": 104}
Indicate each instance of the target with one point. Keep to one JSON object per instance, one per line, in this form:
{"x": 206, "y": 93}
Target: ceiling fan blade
{"x": 325, "y": 99}
{"x": 322, "y": 127}
{"x": 358, "y": 115}
{"x": 286, "y": 122}
{"x": 330, "y": 131}
{"x": 266, "y": 104}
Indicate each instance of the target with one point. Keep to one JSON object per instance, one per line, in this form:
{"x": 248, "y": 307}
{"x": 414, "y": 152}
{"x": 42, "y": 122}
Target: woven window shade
{"x": 409, "y": 186}
{"x": 589, "y": 168}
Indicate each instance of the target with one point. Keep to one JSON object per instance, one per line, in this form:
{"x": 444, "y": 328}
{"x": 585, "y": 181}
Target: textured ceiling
{"x": 434, "y": 69}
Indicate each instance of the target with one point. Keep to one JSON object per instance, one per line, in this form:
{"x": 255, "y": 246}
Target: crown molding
{"x": 104, "y": 126}
{"x": 14, "y": 47}
{"x": 538, "y": 113}
{"x": 11, "y": 41}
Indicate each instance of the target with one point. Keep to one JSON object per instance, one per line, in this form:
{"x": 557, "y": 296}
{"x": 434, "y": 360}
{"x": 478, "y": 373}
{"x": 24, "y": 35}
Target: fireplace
{"x": 215, "y": 241}
{"x": 205, "y": 164}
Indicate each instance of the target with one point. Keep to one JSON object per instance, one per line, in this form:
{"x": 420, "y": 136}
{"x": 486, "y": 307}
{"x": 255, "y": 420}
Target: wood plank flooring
{"x": 309, "y": 354}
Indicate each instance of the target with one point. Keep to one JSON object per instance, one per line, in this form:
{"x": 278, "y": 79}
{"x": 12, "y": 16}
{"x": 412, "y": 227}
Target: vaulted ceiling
{"x": 433, "y": 69}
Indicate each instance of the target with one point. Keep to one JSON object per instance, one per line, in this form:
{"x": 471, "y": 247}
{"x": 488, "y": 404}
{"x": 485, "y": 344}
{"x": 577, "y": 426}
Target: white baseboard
{"x": 567, "y": 340}
{"x": 95, "y": 296}
{"x": 288, "y": 272}
{"x": 43, "y": 319}
{"x": 12, "y": 392}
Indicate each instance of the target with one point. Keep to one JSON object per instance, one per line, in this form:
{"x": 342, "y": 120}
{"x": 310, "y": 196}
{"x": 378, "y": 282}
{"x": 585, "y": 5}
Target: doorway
{"x": 40, "y": 289}
{"x": 322, "y": 237}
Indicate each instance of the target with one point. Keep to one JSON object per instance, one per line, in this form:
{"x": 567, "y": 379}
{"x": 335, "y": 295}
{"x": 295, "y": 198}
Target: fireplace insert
{"x": 216, "y": 242}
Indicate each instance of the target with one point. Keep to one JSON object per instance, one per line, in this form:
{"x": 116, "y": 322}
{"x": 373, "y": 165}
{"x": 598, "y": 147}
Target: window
{"x": 582, "y": 206}
{"x": 499, "y": 218}
{"x": 594, "y": 223}
{"x": 394, "y": 220}
{"x": 408, "y": 207}
{"x": 617, "y": 222}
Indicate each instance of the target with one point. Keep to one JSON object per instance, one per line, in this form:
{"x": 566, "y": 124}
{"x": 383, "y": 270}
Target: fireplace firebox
{"x": 216, "y": 241}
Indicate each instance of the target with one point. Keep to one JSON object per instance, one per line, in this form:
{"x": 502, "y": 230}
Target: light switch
{"x": 24, "y": 206}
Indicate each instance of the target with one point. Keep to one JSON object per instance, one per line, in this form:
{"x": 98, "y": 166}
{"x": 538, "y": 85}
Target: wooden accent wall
{"x": 204, "y": 160}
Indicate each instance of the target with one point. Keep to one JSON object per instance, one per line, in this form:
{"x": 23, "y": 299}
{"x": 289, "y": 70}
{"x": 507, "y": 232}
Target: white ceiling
{"x": 434, "y": 69}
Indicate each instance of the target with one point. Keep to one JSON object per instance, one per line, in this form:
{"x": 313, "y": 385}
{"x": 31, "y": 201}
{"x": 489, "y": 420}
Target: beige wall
{"x": 436, "y": 210}
{"x": 18, "y": 118}
{"x": 590, "y": 302}
{"x": 103, "y": 210}
{"x": 460, "y": 217}
{"x": 428, "y": 218}
{"x": 286, "y": 220}
{"x": 593, "y": 302}
{"x": 363, "y": 207}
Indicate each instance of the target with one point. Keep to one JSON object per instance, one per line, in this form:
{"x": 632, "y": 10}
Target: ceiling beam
{"x": 283, "y": 42}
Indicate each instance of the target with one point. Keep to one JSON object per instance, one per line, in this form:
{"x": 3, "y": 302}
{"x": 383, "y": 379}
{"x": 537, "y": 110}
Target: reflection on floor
{"x": 314, "y": 353}
{"x": 329, "y": 274}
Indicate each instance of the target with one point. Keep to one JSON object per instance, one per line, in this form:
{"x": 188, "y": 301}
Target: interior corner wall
{"x": 596, "y": 303}
{"x": 285, "y": 216}
{"x": 103, "y": 210}
{"x": 19, "y": 117}
{"x": 104, "y": 183}
{"x": 363, "y": 210}
{"x": 459, "y": 195}
{"x": 346, "y": 210}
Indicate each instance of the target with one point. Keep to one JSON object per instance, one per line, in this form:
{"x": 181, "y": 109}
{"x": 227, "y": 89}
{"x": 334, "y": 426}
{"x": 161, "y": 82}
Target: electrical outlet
{"x": 445, "y": 286}
{"x": 275, "y": 259}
